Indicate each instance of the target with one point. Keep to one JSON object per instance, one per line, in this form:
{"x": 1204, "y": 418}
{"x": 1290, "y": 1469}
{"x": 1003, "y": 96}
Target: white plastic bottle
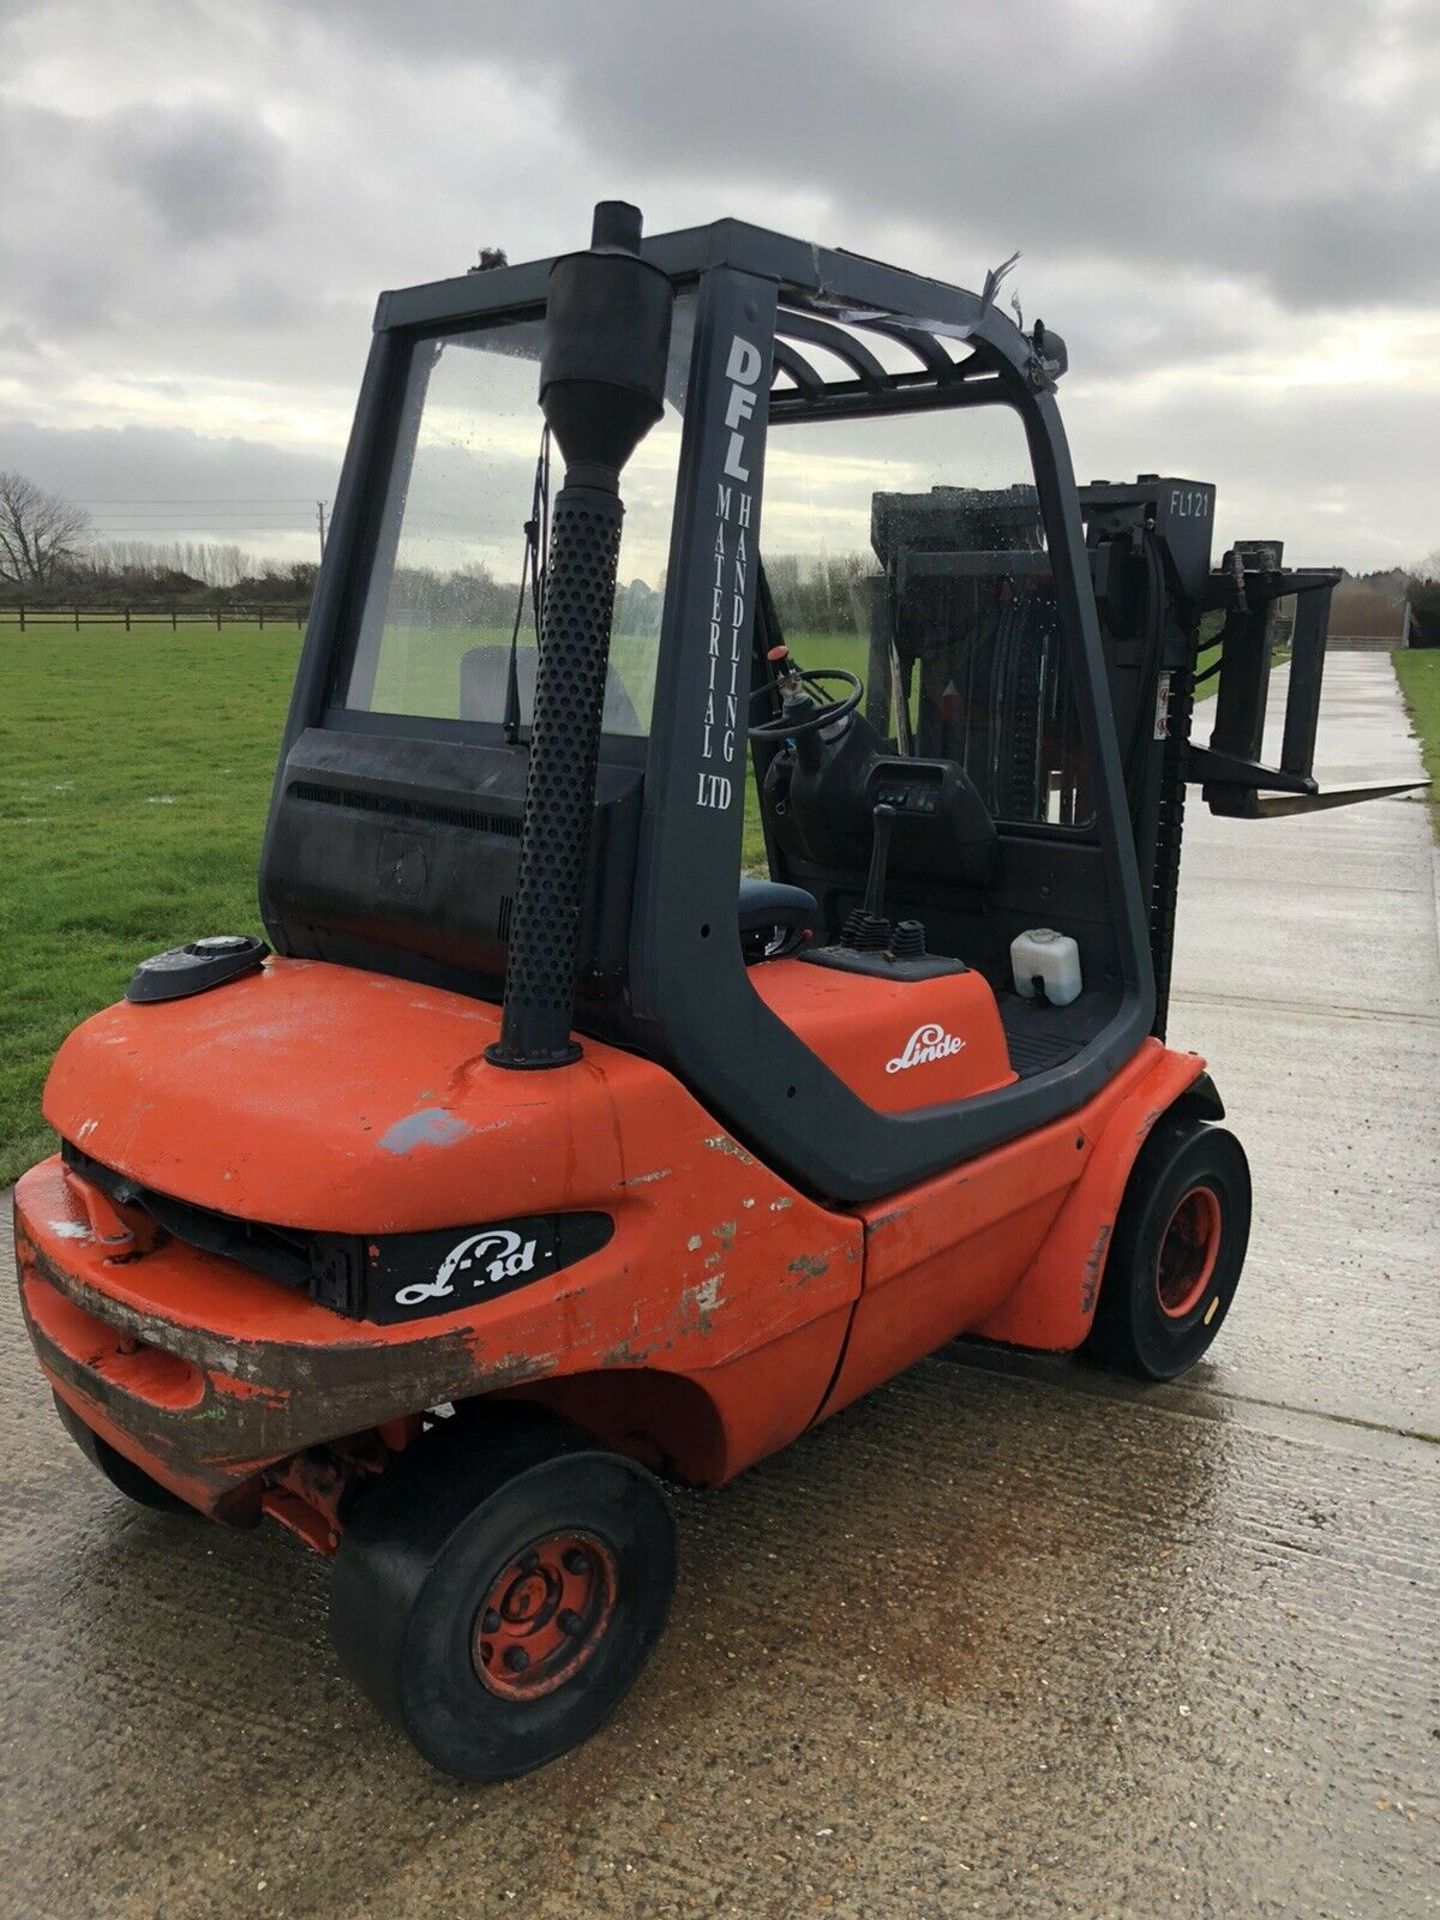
{"x": 1054, "y": 957}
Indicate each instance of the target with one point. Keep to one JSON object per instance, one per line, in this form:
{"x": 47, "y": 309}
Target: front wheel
{"x": 1176, "y": 1253}
{"x": 497, "y": 1592}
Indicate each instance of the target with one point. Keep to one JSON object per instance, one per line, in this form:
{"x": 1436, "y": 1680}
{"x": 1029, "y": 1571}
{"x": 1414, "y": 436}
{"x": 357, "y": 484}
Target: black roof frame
{"x": 688, "y": 987}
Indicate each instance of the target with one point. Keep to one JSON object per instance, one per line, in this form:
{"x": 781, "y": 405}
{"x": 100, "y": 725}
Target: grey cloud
{"x": 88, "y": 258}
{"x": 69, "y": 293}
{"x": 1377, "y": 248}
{"x": 205, "y": 173}
{"x": 1342, "y": 474}
{"x": 15, "y": 340}
{"x": 1183, "y": 136}
{"x": 1196, "y": 189}
{"x": 137, "y": 482}
{"x": 141, "y": 462}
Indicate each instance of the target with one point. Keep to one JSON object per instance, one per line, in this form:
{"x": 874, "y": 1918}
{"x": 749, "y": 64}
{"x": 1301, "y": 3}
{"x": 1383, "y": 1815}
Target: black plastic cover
{"x": 885, "y": 965}
{"x": 607, "y": 345}
{"x": 196, "y": 967}
{"x": 400, "y": 853}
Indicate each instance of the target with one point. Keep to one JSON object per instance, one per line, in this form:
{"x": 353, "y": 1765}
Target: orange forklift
{"x": 658, "y": 1042}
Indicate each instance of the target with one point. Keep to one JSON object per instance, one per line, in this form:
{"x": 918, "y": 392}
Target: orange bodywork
{"x": 727, "y": 1312}
{"x": 899, "y": 1044}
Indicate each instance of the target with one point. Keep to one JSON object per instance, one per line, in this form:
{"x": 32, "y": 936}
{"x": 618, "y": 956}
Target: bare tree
{"x": 218, "y": 565}
{"x": 39, "y": 531}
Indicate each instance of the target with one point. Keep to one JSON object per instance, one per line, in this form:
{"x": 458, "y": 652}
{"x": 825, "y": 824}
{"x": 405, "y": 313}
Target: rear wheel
{"x": 499, "y": 1588}
{"x": 1177, "y": 1251}
{"x": 122, "y": 1474}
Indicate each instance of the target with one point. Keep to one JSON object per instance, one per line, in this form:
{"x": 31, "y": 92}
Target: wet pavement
{"x": 1006, "y": 1638}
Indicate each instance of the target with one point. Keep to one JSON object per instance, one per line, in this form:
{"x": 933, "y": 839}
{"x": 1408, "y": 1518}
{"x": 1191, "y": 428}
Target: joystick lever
{"x": 866, "y": 929}
{"x": 884, "y": 826}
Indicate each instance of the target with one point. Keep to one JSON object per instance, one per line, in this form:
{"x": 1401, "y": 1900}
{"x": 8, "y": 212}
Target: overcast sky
{"x": 1232, "y": 214}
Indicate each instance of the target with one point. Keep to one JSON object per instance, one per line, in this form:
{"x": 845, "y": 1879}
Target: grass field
{"x": 1419, "y": 677}
{"x": 419, "y": 669}
{"x": 134, "y": 777}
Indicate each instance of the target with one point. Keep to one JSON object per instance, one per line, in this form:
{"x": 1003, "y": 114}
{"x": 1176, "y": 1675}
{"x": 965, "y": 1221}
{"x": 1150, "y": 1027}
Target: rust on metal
{"x": 1094, "y": 1268}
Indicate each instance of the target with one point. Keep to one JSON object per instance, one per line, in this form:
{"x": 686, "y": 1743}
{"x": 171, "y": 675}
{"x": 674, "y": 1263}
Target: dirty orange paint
{"x": 727, "y": 1312}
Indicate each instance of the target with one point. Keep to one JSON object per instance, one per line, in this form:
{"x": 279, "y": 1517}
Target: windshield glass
{"x": 451, "y": 569}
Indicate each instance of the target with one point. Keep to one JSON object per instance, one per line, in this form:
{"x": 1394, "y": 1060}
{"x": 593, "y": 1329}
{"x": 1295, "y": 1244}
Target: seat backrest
{"x": 484, "y": 678}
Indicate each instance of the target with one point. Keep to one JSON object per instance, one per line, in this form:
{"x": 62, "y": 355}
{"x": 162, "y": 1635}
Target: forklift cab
{"x": 852, "y": 473}
{"x": 670, "y": 1084}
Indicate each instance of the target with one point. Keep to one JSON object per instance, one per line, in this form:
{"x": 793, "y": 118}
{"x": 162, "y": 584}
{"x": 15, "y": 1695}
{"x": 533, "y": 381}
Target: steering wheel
{"x": 787, "y": 726}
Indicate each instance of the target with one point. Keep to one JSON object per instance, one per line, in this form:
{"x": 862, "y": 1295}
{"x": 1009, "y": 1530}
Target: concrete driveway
{"x": 1007, "y": 1638}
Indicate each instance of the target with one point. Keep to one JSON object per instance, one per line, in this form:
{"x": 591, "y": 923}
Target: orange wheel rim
{"x": 1188, "y": 1250}
{"x": 545, "y": 1615}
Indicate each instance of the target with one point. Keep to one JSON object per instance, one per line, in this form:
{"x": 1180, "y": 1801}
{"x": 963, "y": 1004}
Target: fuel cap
{"x": 195, "y": 967}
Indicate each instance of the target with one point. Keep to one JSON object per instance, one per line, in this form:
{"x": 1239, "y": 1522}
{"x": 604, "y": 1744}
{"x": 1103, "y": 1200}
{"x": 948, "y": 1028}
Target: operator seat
{"x": 768, "y": 907}
{"x": 485, "y": 674}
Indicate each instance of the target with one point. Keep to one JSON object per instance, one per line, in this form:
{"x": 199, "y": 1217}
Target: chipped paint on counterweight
{"x": 722, "y": 1143}
{"x": 431, "y": 1126}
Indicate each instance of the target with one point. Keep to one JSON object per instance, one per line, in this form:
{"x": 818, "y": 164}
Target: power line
{"x": 183, "y": 519}
{"x": 238, "y": 520}
{"x": 218, "y": 513}
{"x": 198, "y": 500}
{"x": 174, "y": 520}
{"x": 195, "y": 528}
{"x": 198, "y": 526}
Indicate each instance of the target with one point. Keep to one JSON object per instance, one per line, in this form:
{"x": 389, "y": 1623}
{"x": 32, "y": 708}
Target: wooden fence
{"x": 130, "y": 617}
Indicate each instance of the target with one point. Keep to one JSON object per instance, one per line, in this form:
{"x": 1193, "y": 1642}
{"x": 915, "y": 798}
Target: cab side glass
{"x": 911, "y": 550}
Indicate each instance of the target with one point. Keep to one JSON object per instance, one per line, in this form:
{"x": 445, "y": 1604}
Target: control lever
{"x": 866, "y": 929}
{"x": 884, "y": 826}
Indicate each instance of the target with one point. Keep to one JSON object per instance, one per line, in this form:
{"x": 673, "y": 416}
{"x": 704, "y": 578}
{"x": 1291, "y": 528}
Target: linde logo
{"x": 723, "y": 736}
{"x": 498, "y": 1253}
{"x": 930, "y": 1042}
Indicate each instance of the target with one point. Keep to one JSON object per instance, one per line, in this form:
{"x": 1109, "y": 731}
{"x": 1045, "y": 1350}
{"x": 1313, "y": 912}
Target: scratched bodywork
{"x": 699, "y": 1281}
{"x": 727, "y": 1312}
{"x": 999, "y": 1246}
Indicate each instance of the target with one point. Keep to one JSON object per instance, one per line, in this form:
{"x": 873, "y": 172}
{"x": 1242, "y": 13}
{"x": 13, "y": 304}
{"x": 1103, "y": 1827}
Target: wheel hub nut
{"x": 544, "y": 1615}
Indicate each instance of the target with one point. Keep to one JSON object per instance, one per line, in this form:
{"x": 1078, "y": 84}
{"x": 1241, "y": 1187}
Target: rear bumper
{"x": 203, "y": 1373}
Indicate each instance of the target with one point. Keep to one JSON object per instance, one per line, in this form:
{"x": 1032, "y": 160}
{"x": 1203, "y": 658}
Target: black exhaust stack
{"x": 602, "y": 388}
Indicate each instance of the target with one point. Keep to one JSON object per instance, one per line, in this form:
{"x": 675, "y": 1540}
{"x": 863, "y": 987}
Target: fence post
{"x": 77, "y": 619}
{"x": 127, "y": 619}
{"x": 217, "y": 619}
{"x": 172, "y": 620}
{"x": 22, "y": 619}
{"x": 262, "y": 616}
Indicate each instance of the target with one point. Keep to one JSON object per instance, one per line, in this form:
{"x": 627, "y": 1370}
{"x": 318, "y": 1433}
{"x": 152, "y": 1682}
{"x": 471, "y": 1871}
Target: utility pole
{"x": 320, "y": 522}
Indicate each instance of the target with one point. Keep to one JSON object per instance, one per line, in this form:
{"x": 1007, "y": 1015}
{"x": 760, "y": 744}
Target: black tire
{"x": 1177, "y": 1251}
{"x": 436, "y": 1540}
{"x": 122, "y": 1474}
